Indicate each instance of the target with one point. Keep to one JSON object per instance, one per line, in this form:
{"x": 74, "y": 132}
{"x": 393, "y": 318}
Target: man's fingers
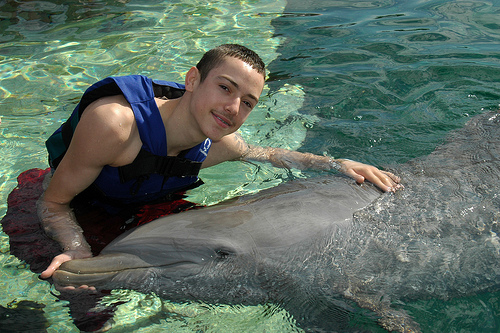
{"x": 392, "y": 176}
{"x": 50, "y": 270}
{"x": 56, "y": 262}
{"x": 76, "y": 290}
{"x": 386, "y": 181}
{"x": 392, "y": 181}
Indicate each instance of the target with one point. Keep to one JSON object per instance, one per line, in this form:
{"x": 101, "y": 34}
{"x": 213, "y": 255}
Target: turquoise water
{"x": 376, "y": 81}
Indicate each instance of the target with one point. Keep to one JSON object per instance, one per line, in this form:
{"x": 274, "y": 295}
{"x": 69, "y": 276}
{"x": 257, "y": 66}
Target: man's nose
{"x": 233, "y": 106}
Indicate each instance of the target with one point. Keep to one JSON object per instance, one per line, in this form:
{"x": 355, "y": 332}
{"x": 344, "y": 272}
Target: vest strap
{"x": 147, "y": 163}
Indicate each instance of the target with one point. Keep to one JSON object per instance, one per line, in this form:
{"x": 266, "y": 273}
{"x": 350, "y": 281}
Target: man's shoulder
{"x": 111, "y": 110}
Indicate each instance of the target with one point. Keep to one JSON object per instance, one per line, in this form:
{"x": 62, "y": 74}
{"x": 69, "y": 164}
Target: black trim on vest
{"x": 108, "y": 89}
{"x": 167, "y": 91}
{"x": 147, "y": 163}
{"x": 92, "y": 194}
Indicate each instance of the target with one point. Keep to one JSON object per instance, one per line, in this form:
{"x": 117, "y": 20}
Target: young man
{"x": 138, "y": 140}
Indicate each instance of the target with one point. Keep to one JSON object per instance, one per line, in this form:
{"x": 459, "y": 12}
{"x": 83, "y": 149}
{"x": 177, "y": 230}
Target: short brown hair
{"x": 214, "y": 57}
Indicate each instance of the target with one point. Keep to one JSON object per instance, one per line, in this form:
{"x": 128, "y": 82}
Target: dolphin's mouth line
{"x": 116, "y": 262}
{"x": 76, "y": 275}
{"x": 83, "y": 272}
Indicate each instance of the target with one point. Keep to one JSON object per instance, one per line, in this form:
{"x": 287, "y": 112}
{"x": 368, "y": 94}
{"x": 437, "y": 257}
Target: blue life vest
{"x": 153, "y": 174}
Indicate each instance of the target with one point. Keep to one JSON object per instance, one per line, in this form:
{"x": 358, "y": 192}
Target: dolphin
{"x": 321, "y": 247}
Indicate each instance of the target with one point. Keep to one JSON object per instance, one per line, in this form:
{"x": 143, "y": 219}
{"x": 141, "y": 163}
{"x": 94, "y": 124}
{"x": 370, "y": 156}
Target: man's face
{"x": 224, "y": 100}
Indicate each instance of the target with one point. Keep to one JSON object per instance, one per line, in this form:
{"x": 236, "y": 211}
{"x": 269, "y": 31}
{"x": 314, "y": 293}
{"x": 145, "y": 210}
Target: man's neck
{"x": 178, "y": 127}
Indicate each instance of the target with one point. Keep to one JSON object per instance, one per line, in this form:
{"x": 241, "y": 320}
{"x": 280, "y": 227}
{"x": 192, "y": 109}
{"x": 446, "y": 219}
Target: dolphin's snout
{"x": 97, "y": 270}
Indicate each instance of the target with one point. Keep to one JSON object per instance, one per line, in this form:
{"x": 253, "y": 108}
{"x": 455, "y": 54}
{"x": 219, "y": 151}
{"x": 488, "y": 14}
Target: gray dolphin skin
{"x": 321, "y": 247}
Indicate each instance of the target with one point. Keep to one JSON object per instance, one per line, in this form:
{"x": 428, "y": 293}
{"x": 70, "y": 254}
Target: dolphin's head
{"x": 203, "y": 265}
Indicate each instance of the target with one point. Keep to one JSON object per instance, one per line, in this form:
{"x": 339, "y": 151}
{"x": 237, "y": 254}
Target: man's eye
{"x": 248, "y": 104}
{"x": 224, "y": 87}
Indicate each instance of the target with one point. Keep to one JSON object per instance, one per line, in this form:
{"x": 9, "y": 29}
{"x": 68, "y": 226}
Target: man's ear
{"x": 192, "y": 79}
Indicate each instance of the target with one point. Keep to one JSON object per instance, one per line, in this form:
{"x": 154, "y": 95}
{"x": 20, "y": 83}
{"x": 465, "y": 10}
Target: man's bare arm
{"x": 102, "y": 137}
{"x": 233, "y": 147}
{"x": 60, "y": 224}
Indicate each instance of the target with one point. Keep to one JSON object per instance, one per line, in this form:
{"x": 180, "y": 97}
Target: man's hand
{"x": 62, "y": 258}
{"x": 386, "y": 181}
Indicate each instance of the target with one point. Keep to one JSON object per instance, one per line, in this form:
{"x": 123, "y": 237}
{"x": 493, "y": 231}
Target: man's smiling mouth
{"x": 222, "y": 120}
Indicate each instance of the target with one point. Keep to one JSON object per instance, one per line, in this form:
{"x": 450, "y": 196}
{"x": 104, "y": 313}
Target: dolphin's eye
{"x": 223, "y": 254}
